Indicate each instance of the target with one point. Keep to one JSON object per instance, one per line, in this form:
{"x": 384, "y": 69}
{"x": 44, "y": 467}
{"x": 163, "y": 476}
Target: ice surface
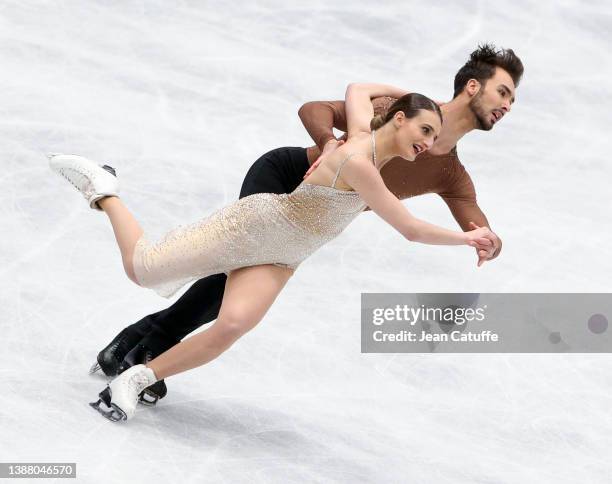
{"x": 182, "y": 97}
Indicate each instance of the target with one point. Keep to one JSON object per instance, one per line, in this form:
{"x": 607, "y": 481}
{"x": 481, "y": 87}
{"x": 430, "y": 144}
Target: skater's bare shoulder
{"x": 361, "y": 175}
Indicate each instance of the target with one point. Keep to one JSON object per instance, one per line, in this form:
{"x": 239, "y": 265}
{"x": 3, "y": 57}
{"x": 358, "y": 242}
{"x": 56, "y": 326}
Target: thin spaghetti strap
{"x": 333, "y": 185}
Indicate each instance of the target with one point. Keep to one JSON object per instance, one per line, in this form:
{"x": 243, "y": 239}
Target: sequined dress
{"x": 263, "y": 228}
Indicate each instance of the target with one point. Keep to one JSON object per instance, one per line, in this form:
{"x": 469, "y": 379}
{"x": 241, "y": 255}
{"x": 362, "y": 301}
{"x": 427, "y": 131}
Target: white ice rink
{"x": 181, "y": 97}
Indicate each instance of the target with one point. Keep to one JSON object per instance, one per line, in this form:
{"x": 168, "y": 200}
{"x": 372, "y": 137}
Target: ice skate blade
{"x": 148, "y": 399}
{"x": 115, "y": 414}
{"x": 94, "y": 368}
{"x": 112, "y": 411}
{"x": 110, "y": 169}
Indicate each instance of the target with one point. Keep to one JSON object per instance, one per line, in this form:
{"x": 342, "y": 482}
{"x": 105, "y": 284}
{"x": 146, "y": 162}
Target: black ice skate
{"x": 141, "y": 354}
{"x": 110, "y": 358}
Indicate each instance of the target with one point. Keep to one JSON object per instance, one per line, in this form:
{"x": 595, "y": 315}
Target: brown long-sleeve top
{"x": 441, "y": 174}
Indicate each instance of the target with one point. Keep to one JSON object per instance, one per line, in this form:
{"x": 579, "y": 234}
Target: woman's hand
{"x": 329, "y": 147}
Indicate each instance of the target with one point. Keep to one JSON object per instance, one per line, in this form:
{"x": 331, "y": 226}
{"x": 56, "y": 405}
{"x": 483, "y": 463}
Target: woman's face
{"x": 416, "y": 135}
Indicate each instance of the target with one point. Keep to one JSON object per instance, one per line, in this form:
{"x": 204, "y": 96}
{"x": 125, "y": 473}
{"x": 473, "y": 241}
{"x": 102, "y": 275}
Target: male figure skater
{"x": 483, "y": 93}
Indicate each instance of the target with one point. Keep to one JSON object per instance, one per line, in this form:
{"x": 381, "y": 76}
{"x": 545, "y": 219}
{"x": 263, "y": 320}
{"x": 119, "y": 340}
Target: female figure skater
{"x": 261, "y": 239}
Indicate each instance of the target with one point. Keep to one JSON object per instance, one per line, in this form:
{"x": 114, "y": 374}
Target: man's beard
{"x": 482, "y": 118}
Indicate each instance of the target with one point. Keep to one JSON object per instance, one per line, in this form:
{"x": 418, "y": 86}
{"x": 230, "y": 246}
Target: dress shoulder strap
{"x": 333, "y": 185}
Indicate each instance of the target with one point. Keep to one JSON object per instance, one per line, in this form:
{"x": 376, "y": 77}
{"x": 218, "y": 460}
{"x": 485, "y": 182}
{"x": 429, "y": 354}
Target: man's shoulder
{"x": 457, "y": 180}
{"x": 448, "y": 157}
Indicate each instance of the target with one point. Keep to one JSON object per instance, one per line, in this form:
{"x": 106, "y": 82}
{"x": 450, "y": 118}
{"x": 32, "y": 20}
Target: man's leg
{"x": 199, "y": 305}
{"x": 155, "y": 333}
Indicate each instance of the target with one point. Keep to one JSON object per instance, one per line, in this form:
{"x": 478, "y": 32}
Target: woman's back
{"x": 331, "y": 166}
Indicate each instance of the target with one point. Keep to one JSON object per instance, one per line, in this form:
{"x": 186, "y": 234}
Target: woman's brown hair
{"x": 410, "y": 105}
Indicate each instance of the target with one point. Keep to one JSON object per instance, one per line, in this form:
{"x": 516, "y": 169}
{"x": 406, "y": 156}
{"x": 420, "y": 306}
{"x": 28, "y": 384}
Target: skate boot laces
{"x": 83, "y": 178}
{"x": 138, "y": 382}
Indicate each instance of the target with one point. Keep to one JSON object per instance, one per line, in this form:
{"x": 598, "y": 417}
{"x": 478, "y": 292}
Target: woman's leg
{"x": 127, "y": 231}
{"x": 249, "y": 293}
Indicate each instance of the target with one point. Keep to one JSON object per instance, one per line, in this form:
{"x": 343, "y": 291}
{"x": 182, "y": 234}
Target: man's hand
{"x": 329, "y": 147}
{"x": 486, "y": 252}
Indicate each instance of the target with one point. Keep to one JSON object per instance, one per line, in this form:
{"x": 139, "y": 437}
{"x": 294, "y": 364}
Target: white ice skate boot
{"x": 121, "y": 395}
{"x": 92, "y": 180}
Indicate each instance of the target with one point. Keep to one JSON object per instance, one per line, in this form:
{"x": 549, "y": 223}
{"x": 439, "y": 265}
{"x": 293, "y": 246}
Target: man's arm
{"x": 321, "y": 117}
{"x": 460, "y": 196}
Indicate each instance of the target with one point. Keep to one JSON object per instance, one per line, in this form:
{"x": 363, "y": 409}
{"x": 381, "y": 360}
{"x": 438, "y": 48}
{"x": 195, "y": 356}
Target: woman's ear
{"x": 398, "y": 119}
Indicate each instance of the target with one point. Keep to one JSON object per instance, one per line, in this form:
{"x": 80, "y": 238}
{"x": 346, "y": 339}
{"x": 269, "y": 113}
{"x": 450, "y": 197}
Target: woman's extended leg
{"x": 249, "y": 293}
{"x": 98, "y": 184}
{"x": 127, "y": 231}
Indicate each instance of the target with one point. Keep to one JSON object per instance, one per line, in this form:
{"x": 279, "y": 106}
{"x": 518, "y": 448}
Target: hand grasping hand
{"x": 486, "y": 247}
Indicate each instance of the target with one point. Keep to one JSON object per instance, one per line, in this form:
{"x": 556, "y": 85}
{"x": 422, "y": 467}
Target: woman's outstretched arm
{"x": 358, "y": 104}
{"x": 360, "y": 174}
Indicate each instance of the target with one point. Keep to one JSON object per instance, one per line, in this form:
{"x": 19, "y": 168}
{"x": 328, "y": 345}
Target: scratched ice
{"x": 181, "y": 97}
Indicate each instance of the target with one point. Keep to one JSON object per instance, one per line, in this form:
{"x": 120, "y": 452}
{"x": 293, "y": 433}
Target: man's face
{"x": 494, "y": 100}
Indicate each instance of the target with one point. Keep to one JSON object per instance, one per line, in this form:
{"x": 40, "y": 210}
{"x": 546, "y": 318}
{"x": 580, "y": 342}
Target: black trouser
{"x": 278, "y": 171}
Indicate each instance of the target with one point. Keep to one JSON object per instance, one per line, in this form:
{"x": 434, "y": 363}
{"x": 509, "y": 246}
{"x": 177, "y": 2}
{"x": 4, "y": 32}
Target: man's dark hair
{"x": 482, "y": 63}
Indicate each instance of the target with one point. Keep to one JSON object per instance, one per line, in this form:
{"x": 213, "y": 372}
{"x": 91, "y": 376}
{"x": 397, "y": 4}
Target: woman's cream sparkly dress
{"x": 263, "y": 228}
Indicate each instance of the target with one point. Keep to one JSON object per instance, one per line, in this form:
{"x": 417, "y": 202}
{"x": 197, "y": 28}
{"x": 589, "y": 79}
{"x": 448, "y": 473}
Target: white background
{"x": 181, "y": 97}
